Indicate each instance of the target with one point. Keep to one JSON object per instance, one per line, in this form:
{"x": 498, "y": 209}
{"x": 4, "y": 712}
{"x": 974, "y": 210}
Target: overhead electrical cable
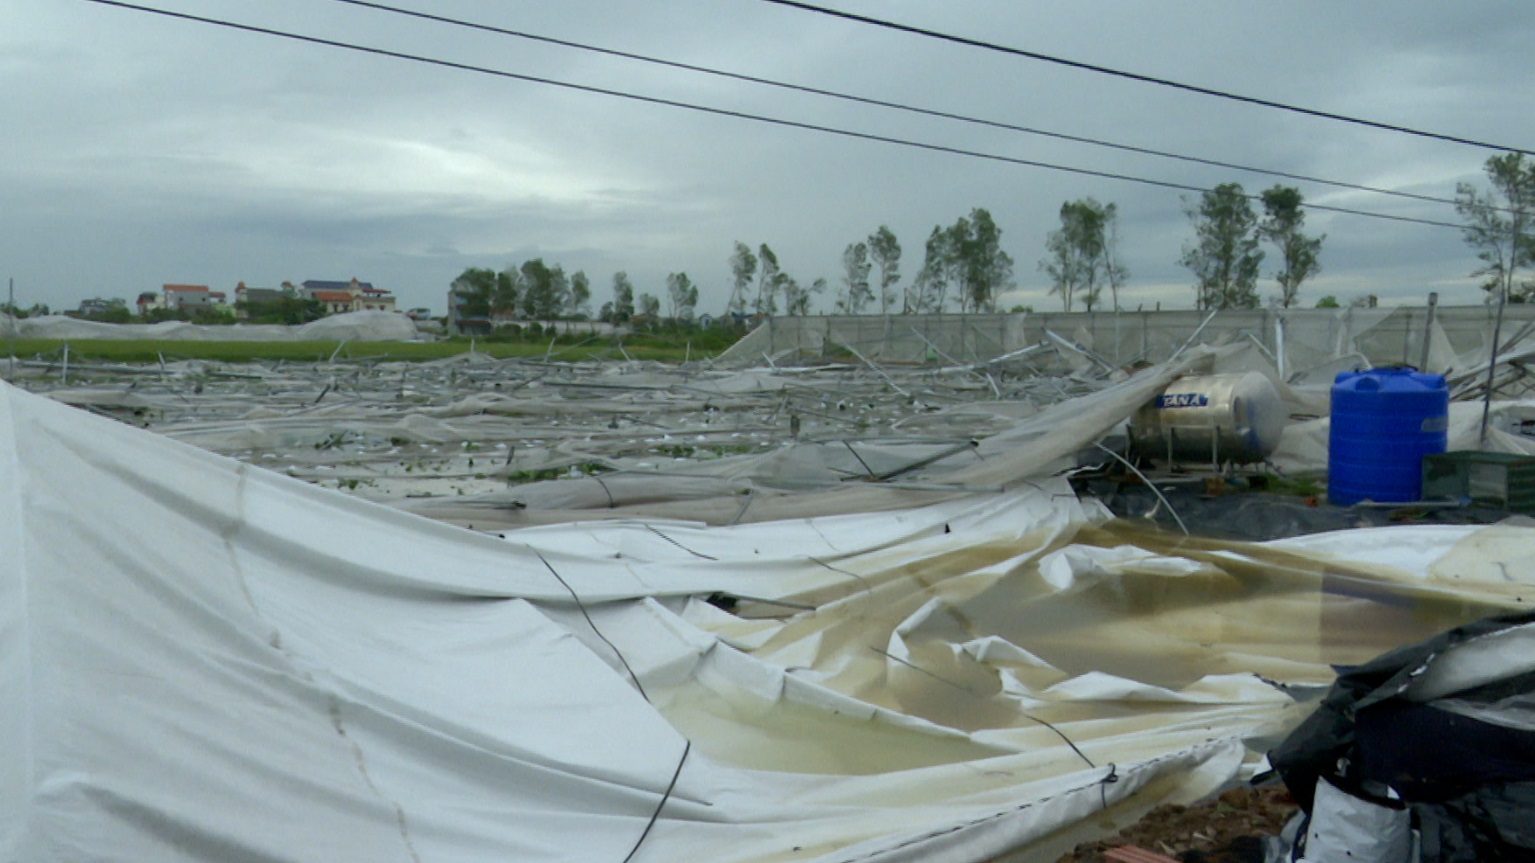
{"x": 724, "y": 112}
{"x": 897, "y": 106}
{"x": 1145, "y": 79}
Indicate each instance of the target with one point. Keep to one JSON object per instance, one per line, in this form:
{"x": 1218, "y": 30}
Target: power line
{"x": 722, "y": 112}
{"x": 897, "y": 106}
{"x": 1145, "y": 79}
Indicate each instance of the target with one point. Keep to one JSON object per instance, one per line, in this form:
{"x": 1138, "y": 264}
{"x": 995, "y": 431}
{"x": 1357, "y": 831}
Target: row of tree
{"x": 758, "y": 281}
{"x": 536, "y": 291}
{"x": 964, "y": 266}
{"x": 1225, "y": 257}
{"x": 1082, "y": 255}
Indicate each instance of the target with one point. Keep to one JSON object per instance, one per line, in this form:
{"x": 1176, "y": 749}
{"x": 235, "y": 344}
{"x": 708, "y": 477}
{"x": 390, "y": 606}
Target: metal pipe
{"x": 1492, "y": 365}
{"x": 10, "y": 310}
{"x": 1149, "y": 484}
{"x": 1201, "y": 328}
{"x": 1428, "y": 328}
{"x": 1279, "y": 347}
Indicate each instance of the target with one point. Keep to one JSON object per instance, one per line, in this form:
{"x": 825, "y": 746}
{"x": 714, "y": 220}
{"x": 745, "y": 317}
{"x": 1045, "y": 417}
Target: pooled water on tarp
{"x": 1245, "y": 609}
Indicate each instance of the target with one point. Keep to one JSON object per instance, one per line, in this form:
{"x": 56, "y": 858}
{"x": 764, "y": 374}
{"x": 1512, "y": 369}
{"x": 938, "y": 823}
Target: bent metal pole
{"x": 1492, "y": 366}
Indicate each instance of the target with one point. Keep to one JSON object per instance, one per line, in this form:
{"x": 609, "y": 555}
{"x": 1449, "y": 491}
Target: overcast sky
{"x": 139, "y": 150}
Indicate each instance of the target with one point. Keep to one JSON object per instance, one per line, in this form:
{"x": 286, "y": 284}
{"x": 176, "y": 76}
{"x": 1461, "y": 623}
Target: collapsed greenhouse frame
{"x": 932, "y": 649}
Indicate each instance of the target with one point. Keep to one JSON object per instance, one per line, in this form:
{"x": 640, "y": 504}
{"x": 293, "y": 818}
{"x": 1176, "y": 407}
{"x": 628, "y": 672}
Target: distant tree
{"x": 155, "y": 316}
{"x": 1282, "y": 225}
{"x": 1328, "y": 302}
{"x": 1224, "y": 255}
{"x": 1114, "y": 270}
{"x": 885, "y": 253}
{"x": 476, "y": 286}
{"x": 981, "y": 268}
{"x": 544, "y": 290}
{"x": 797, "y": 298}
{"x": 283, "y": 310}
{"x": 508, "y": 285}
{"x": 855, "y": 279}
{"x": 683, "y": 296}
{"x": 36, "y": 310}
{"x": 649, "y": 305}
{"x": 559, "y": 291}
{"x": 929, "y": 291}
{"x": 605, "y": 314}
{"x": 769, "y": 281}
{"x": 578, "y": 304}
{"x": 211, "y": 316}
{"x": 623, "y": 297}
{"x": 1076, "y": 253}
{"x": 743, "y": 266}
{"x": 1500, "y": 225}
{"x": 106, "y": 310}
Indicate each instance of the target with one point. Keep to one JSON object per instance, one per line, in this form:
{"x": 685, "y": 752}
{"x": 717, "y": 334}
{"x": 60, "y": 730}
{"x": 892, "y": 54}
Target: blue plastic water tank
{"x": 1384, "y": 421}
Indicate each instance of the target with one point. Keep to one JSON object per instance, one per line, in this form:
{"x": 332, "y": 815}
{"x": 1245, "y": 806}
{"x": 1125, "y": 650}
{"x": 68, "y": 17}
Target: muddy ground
{"x": 1227, "y": 829}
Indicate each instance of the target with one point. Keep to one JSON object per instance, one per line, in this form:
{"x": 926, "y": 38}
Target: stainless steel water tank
{"x": 1210, "y": 419}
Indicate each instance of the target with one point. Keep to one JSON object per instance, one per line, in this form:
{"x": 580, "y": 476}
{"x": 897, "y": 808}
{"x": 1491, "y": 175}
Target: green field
{"x": 153, "y": 351}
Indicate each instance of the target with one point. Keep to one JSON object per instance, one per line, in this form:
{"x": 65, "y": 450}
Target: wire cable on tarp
{"x": 1149, "y": 484}
{"x": 637, "y": 685}
{"x": 581, "y": 606}
{"x": 665, "y": 796}
{"x": 679, "y": 545}
{"x": 688, "y": 744}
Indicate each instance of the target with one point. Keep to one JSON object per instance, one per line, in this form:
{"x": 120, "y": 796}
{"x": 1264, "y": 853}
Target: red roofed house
{"x": 359, "y": 296}
{"x": 334, "y": 301}
{"x": 188, "y": 297}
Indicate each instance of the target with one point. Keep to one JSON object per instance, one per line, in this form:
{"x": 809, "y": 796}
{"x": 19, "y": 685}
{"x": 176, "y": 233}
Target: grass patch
{"x": 1302, "y": 486}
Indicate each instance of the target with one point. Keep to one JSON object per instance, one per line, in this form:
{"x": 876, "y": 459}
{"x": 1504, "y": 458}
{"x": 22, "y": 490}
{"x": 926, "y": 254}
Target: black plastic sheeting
{"x": 1470, "y": 785}
{"x": 1239, "y": 512}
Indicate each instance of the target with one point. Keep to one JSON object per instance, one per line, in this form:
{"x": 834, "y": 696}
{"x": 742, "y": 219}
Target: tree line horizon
{"x": 964, "y": 264}
{"x": 965, "y": 267}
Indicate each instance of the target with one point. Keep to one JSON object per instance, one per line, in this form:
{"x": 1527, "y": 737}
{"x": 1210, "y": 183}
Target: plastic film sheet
{"x": 205, "y": 660}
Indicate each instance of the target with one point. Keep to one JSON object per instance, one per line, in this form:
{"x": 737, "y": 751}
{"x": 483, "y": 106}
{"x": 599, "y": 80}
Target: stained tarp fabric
{"x": 204, "y": 660}
{"x": 200, "y": 660}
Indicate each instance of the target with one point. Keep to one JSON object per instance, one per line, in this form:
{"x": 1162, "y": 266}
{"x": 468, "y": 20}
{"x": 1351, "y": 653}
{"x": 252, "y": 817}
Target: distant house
{"x": 244, "y": 294}
{"x": 464, "y": 324}
{"x": 191, "y": 297}
{"x": 99, "y": 306}
{"x": 335, "y": 302}
{"x": 150, "y": 300}
{"x": 360, "y": 296}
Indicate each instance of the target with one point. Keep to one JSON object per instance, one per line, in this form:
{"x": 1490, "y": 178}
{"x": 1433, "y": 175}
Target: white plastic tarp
{"x": 201, "y": 660}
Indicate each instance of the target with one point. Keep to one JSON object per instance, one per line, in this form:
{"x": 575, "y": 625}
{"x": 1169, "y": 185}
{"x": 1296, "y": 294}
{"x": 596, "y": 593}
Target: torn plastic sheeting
{"x": 293, "y": 606}
{"x": 277, "y": 639}
{"x": 1349, "y": 829}
{"x": 373, "y": 326}
{"x": 1303, "y": 446}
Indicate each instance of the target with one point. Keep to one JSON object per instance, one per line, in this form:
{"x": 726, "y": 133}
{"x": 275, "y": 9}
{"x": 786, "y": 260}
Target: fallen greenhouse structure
{"x": 829, "y": 611}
